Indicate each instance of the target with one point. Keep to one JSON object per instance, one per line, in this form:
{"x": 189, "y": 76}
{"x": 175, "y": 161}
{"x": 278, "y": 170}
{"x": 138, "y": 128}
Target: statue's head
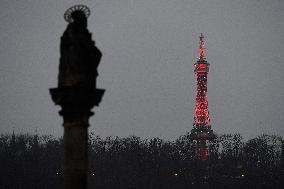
{"x": 78, "y": 15}
{"x": 79, "y": 18}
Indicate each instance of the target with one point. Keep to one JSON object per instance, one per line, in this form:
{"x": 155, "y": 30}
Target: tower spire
{"x": 201, "y": 47}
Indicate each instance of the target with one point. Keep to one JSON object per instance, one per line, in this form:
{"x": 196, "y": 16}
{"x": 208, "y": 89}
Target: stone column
{"x": 77, "y": 94}
{"x": 76, "y": 105}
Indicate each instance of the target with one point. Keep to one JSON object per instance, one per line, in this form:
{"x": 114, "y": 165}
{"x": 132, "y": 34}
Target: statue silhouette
{"x": 79, "y": 55}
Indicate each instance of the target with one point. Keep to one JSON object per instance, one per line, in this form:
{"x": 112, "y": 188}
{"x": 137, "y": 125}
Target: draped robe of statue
{"x": 79, "y": 55}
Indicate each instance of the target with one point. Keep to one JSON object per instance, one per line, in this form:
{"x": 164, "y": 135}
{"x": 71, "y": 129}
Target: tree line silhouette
{"x": 32, "y": 161}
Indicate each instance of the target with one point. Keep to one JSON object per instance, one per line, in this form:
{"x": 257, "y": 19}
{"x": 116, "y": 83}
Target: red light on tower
{"x": 201, "y": 132}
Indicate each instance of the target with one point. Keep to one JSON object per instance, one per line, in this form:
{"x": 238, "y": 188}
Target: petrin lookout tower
{"x": 201, "y": 132}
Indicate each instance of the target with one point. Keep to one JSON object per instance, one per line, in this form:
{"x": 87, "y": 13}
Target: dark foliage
{"x": 31, "y": 161}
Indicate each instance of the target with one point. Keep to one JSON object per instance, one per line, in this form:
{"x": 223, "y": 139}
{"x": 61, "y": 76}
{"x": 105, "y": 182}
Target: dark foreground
{"x": 31, "y": 161}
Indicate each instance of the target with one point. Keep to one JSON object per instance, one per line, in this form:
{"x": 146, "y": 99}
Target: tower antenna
{"x": 201, "y": 47}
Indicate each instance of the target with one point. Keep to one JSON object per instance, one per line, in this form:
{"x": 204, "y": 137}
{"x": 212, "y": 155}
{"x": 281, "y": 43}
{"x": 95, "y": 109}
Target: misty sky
{"x": 149, "y": 48}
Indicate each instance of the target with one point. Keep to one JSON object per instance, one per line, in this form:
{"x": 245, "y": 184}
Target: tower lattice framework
{"x": 201, "y": 132}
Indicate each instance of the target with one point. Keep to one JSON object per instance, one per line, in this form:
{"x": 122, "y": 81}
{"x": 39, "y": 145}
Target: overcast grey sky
{"x": 149, "y": 48}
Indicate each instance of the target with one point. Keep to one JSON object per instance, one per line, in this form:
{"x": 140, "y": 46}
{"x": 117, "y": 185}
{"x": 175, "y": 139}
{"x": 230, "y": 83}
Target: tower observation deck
{"x": 201, "y": 132}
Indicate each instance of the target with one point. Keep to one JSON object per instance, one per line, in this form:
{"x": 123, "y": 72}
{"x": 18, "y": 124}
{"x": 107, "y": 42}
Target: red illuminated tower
{"x": 201, "y": 132}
